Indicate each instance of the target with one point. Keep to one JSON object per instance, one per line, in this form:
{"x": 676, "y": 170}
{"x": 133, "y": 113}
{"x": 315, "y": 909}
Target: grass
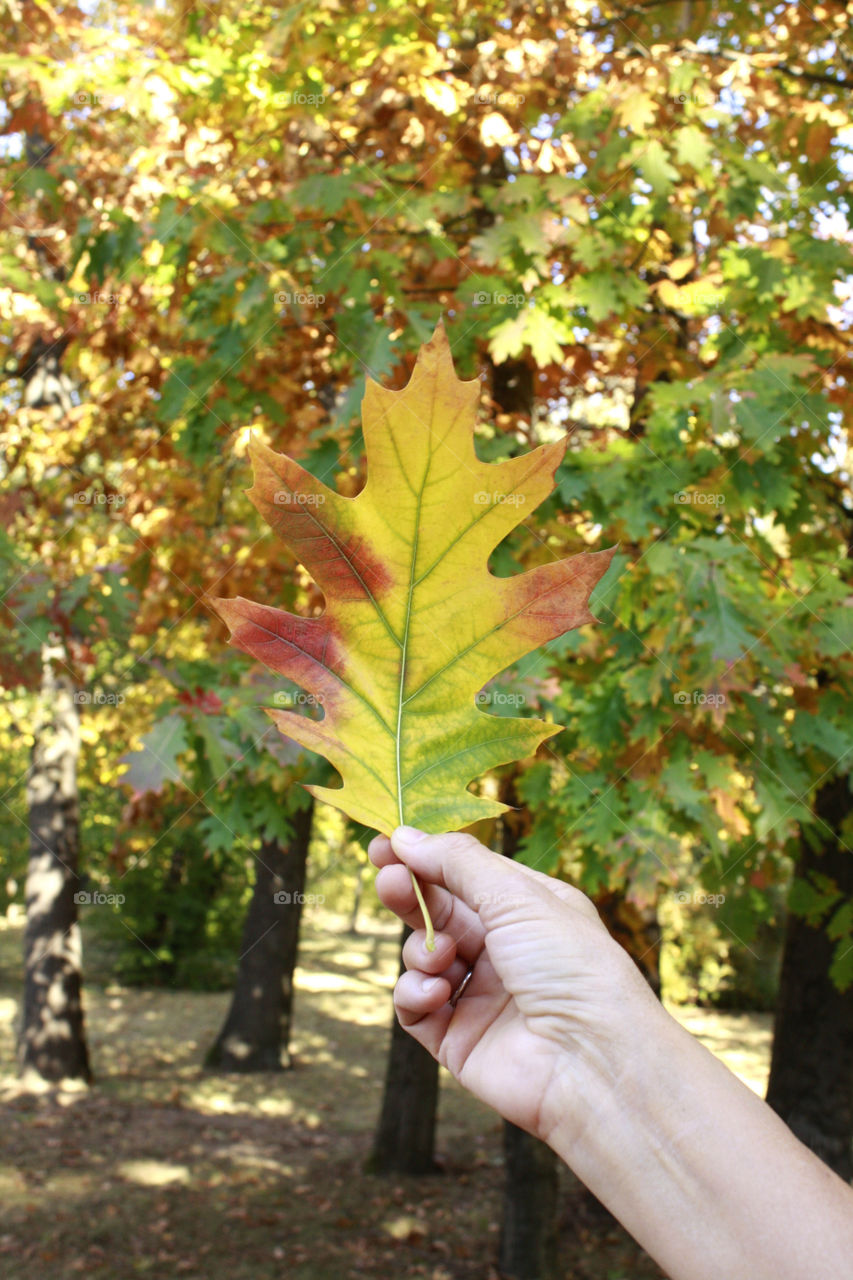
{"x": 164, "y": 1170}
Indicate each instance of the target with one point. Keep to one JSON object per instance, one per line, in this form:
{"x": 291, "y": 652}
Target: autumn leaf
{"x": 415, "y": 624}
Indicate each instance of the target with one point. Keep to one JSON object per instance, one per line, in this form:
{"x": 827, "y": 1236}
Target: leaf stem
{"x": 430, "y": 931}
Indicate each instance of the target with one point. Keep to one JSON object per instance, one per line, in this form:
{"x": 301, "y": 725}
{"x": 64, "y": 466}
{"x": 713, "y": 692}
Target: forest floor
{"x": 168, "y": 1171}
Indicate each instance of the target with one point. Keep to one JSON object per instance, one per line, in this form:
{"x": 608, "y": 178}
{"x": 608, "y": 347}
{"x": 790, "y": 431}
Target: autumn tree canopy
{"x": 635, "y": 222}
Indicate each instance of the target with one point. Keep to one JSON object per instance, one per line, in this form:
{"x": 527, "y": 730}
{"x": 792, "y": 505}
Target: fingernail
{"x": 410, "y": 834}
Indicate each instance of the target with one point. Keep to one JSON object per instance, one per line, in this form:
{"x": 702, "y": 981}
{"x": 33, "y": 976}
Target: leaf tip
{"x": 218, "y": 605}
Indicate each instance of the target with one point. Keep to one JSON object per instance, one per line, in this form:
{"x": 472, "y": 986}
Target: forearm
{"x": 700, "y": 1171}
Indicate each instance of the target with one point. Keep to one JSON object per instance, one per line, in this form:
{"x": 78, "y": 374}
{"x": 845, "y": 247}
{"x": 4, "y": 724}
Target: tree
{"x": 528, "y": 1241}
{"x": 256, "y": 1032}
{"x": 405, "y": 1134}
{"x": 53, "y": 1042}
{"x": 642, "y": 209}
{"x": 811, "y": 1070}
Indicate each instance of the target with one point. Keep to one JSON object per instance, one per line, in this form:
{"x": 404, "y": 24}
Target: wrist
{"x": 607, "y": 1068}
{"x": 694, "y": 1165}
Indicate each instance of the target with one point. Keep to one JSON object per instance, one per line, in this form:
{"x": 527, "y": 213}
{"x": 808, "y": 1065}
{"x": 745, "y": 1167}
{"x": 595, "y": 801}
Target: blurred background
{"x": 221, "y": 219}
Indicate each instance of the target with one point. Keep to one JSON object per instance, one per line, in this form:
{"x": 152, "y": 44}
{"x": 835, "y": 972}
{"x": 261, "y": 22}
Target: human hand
{"x": 552, "y": 999}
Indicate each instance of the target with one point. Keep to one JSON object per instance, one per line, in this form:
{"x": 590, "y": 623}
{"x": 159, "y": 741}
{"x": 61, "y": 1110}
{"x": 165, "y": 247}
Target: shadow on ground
{"x": 164, "y": 1170}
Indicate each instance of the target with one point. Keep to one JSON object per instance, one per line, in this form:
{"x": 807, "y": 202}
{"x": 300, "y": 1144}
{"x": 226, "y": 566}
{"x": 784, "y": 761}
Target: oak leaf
{"x": 415, "y": 624}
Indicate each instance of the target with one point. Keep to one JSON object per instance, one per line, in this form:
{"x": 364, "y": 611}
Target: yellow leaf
{"x": 415, "y": 624}
{"x": 440, "y": 95}
{"x": 496, "y": 131}
{"x": 680, "y": 267}
{"x": 569, "y": 150}
{"x": 636, "y": 111}
{"x": 545, "y": 159}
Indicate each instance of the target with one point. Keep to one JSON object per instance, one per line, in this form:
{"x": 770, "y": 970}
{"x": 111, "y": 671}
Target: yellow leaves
{"x": 636, "y": 111}
{"x": 507, "y": 339}
{"x": 528, "y": 56}
{"x": 835, "y": 117}
{"x": 161, "y": 96}
{"x": 773, "y": 533}
{"x": 204, "y": 147}
{"x": 496, "y": 131}
{"x": 738, "y": 72}
{"x": 576, "y": 210}
{"x": 557, "y": 156}
{"x": 730, "y": 815}
{"x": 545, "y": 159}
{"x": 571, "y": 153}
{"x": 414, "y": 134}
{"x": 693, "y": 147}
{"x": 698, "y": 297}
{"x": 20, "y": 306}
{"x": 680, "y": 267}
{"x": 439, "y": 94}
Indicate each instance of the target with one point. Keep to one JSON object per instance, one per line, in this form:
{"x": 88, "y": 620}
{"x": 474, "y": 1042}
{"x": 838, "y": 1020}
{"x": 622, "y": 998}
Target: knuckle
{"x": 457, "y": 842}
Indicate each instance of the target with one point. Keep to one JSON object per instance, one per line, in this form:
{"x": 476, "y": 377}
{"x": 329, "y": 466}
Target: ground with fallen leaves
{"x": 165, "y": 1170}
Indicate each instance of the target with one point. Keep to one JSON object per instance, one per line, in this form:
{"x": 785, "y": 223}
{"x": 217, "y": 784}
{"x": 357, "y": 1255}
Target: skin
{"x": 558, "y": 1031}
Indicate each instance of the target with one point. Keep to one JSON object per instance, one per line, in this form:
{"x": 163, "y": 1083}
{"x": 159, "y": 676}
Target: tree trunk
{"x": 636, "y": 929}
{"x": 811, "y": 1069}
{"x": 53, "y": 1042}
{"x": 405, "y": 1136}
{"x": 528, "y": 1243}
{"x": 357, "y": 897}
{"x": 256, "y": 1032}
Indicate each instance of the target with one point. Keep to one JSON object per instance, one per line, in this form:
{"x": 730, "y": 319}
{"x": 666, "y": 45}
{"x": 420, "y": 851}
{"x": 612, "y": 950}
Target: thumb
{"x": 461, "y": 864}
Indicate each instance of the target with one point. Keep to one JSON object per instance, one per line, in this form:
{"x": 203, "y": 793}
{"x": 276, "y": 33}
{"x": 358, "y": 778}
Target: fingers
{"x": 416, "y": 956}
{"x": 471, "y": 872}
{"x": 469, "y": 862}
{"x": 442, "y": 962}
{"x": 422, "y": 1002}
{"x": 565, "y": 892}
{"x": 422, "y": 995}
{"x": 449, "y": 915}
{"x": 380, "y": 853}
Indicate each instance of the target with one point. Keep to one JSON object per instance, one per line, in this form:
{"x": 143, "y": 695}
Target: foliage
{"x": 226, "y": 219}
{"x": 704, "y": 963}
{"x": 211, "y": 781}
{"x": 181, "y": 920}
